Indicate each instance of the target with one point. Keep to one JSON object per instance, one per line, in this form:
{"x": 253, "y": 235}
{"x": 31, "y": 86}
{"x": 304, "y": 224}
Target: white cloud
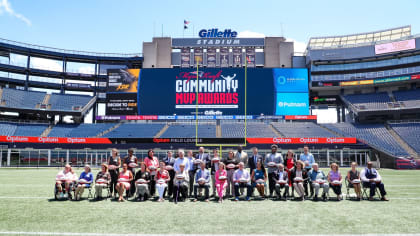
{"x": 299, "y": 47}
{"x": 5, "y": 6}
{"x": 250, "y": 34}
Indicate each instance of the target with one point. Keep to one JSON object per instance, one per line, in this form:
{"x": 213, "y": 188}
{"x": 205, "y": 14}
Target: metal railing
{"x": 66, "y": 51}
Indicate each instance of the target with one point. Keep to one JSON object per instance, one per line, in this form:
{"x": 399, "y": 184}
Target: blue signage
{"x": 215, "y": 33}
{"x": 292, "y": 104}
{"x": 290, "y": 80}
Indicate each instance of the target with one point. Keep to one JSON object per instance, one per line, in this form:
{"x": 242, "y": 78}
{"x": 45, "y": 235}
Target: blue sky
{"x": 122, "y": 26}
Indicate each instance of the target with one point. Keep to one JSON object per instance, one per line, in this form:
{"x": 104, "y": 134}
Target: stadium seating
{"x": 301, "y": 129}
{"x": 188, "y": 130}
{"x": 373, "y": 101}
{"x": 82, "y": 130}
{"x": 410, "y": 99}
{"x": 21, "y": 129}
{"x": 254, "y": 129}
{"x": 67, "y": 102}
{"x": 21, "y": 99}
{"x": 135, "y": 130}
{"x": 410, "y": 133}
{"x": 15, "y": 98}
{"x": 373, "y": 134}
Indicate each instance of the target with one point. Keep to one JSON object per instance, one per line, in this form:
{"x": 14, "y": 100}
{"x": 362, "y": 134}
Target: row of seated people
{"x": 229, "y": 178}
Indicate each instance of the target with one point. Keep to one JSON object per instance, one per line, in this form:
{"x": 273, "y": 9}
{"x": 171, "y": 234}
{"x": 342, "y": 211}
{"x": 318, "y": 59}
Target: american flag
{"x": 186, "y": 24}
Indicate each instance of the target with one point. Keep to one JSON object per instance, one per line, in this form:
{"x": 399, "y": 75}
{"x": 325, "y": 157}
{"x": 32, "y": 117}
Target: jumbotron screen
{"x": 273, "y": 91}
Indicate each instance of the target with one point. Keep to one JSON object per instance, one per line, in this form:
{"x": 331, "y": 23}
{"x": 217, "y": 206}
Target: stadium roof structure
{"x": 355, "y": 40}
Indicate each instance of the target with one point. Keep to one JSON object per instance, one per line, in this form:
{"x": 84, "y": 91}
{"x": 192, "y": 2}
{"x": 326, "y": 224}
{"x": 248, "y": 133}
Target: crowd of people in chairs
{"x": 188, "y": 176}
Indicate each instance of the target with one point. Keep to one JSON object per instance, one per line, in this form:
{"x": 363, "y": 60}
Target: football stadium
{"x": 212, "y": 133}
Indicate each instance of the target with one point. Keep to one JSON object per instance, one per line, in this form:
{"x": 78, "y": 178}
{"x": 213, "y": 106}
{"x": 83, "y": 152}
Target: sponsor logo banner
{"x": 300, "y": 117}
{"x": 123, "y": 80}
{"x": 185, "y": 57}
{"x": 27, "y": 139}
{"x": 395, "y": 46}
{"x": 301, "y": 140}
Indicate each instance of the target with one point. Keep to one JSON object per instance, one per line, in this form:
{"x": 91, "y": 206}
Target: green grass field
{"x": 27, "y": 205}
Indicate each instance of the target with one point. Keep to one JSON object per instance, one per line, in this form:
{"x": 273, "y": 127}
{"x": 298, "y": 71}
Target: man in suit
{"x": 277, "y": 158}
{"x": 253, "y": 159}
{"x": 241, "y": 155}
{"x": 203, "y": 157}
{"x": 170, "y": 161}
{"x": 202, "y": 180}
{"x": 281, "y": 174}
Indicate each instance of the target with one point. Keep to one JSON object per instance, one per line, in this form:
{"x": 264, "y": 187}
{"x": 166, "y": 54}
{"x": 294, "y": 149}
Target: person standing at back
{"x": 272, "y": 160}
{"x": 241, "y": 155}
{"x": 254, "y": 159}
{"x": 129, "y": 159}
{"x": 114, "y": 164}
{"x": 203, "y": 157}
{"x": 308, "y": 159}
{"x": 169, "y": 163}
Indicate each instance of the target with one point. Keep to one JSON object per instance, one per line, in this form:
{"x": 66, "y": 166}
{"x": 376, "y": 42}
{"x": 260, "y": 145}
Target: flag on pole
{"x": 186, "y": 23}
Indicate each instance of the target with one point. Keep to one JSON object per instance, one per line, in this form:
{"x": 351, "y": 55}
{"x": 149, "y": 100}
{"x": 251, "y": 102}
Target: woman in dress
{"x": 114, "y": 164}
{"x": 124, "y": 179}
{"x": 162, "y": 177}
{"x": 104, "y": 179}
{"x": 152, "y": 164}
{"x": 259, "y": 178}
{"x": 142, "y": 189}
{"x": 353, "y": 175}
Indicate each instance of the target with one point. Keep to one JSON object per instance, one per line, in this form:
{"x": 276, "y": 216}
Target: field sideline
{"x": 27, "y": 205}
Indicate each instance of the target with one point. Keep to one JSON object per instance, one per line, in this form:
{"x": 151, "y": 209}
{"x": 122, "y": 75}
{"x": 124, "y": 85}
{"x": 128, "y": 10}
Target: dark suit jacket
{"x": 205, "y": 158}
{"x": 252, "y": 164}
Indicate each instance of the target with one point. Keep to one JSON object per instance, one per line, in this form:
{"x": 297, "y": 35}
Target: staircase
{"x": 47, "y": 131}
{"x": 109, "y": 130}
{"x": 402, "y": 143}
{"x": 161, "y": 131}
{"x": 218, "y": 131}
{"x": 279, "y": 135}
{"x": 46, "y": 99}
{"x": 2, "y": 103}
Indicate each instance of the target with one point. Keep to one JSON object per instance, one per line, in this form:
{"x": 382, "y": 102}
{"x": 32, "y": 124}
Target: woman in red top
{"x": 124, "y": 180}
{"x": 289, "y": 163}
{"x": 162, "y": 177}
{"x": 152, "y": 164}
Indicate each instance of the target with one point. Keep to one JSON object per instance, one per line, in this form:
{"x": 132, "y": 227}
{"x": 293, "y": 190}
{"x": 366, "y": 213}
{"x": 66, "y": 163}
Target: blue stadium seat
{"x": 232, "y": 129}
{"x": 373, "y": 134}
{"x": 22, "y": 99}
{"x": 410, "y": 133}
{"x": 188, "y": 130}
{"x": 373, "y": 101}
{"x": 135, "y": 130}
{"x": 302, "y": 129}
{"x": 411, "y": 98}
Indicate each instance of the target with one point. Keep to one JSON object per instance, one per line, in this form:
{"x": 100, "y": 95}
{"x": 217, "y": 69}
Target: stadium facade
{"x": 155, "y": 99}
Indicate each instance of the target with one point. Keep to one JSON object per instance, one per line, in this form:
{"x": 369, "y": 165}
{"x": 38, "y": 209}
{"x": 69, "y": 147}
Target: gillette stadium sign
{"x": 215, "y": 37}
{"x": 215, "y": 33}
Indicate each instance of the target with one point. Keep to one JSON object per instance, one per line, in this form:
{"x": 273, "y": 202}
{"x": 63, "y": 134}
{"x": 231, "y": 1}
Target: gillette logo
{"x": 215, "y": 33}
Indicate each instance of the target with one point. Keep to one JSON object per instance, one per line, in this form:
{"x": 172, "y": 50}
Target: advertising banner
{"x": 121, "y": 104}
{"x": 123, "y": 80}
{"x": 302, "y": 140}
{"x": 198, "y": 56}
{"x": 237, "y": 56}
{"x": 224, "y": 57}
{"x": 185, "y": 57}
{"x": 211, "y": 57}
{"x": 395, "y": 46}
{"x": 250, "y": 57}
{"x": 26, "y": 139}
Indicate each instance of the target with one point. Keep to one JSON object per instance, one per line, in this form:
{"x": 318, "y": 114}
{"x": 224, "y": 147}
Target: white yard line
{"x": 112, "y": 234}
